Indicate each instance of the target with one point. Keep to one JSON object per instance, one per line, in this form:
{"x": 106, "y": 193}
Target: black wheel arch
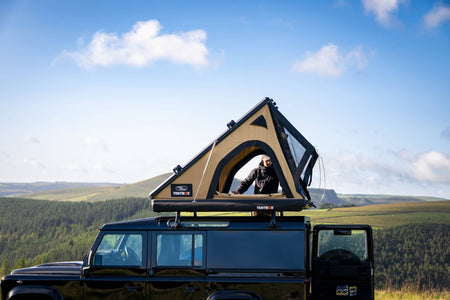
{"x": 233, "y": 295}
{"x": 34, "y": 292}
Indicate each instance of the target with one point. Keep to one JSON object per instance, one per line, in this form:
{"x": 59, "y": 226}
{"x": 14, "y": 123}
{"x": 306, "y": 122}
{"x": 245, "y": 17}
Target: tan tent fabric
{"x": 255, "y": 133}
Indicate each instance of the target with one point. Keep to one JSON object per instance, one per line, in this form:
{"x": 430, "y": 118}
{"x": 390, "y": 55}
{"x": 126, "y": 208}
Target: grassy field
{"x": 411, "y": 295}
{"x": 384, "y": 215}
{"x": 377, "y": 216}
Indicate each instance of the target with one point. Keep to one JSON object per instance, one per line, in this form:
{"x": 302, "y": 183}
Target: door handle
{"x": 134, "y": 288}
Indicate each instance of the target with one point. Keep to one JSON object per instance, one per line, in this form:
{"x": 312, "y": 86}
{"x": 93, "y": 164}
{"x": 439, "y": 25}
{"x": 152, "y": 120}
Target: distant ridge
{"x": 20, "y": 188}
{"x": 85, "y": 191}
{"x": 365, "y": 199}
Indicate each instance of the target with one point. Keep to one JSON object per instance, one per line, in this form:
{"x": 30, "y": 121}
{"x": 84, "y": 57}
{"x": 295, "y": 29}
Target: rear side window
{"x": 179, "y": 250}
{"x": 273, "y": 250}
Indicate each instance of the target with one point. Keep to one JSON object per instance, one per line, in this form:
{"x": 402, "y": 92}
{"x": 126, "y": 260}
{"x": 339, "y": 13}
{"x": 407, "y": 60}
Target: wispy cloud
{"x": 446, "y": 133}
{"x": 391, "y": 169}
{"x": 4, "y": 156}
{"x": 96, "y": 143}
{"x": 432, "y": 166}
{"x": 382, "y": 9}
{"x": 75, "y": 168}
{"x": 141, "y": 46}
{"x": 101, "y": 168}
{"x": 31, "y": 139}
{"x": 282, "y": 23}
{"x": 35, "y": 164}
{"x": 329, "y": 61}
{"x": 439, "y": 14}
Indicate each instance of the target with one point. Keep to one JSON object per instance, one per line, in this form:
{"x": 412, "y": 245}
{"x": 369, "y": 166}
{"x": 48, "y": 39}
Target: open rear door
{"x": 342, "y": 262}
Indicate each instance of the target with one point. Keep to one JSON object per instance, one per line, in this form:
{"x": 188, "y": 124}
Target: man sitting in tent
{"x": 266, "y": 180}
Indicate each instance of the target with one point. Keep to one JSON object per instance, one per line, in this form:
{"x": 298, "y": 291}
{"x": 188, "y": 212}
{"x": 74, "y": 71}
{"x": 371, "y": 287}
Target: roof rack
{"x": 265, "y": 206}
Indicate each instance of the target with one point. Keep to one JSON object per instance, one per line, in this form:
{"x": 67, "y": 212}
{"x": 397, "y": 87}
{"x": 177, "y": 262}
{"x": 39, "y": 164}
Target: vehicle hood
{"x": 60, "y": 268}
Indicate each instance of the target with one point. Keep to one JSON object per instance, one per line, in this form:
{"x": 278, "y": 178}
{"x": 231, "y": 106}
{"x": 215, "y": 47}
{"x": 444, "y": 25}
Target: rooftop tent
{"x": 263, "y": 130}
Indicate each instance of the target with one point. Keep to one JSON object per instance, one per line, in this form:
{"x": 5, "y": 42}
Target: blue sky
{"x": 123, "y": 91}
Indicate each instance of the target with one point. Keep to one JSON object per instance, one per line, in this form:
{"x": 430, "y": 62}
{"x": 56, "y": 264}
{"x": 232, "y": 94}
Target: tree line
{"x": 414, "y": 256}
{"x": 38, "y": 231}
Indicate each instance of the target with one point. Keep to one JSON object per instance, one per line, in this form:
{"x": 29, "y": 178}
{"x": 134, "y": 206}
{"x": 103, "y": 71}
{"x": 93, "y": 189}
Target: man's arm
{"x": 246, "y": 183}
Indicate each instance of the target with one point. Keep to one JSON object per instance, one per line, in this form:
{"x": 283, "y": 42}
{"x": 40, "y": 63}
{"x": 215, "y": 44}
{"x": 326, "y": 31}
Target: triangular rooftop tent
{"x": 263, "y": 130}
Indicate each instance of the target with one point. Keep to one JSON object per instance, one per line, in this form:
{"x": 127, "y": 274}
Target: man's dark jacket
{"x": 266, "y": 181}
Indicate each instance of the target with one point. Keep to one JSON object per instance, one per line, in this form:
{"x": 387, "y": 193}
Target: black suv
{"x": 263, "y": 257}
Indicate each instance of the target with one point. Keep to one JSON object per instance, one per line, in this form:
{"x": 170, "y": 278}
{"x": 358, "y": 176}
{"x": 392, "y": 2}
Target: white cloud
{"x": 141, "y": 46}
{"x": 31, "y": 139}
{"x": 382, "y": 9}
{"x": 328, "y": 61}
{"x": 4, "y": 156}
{"x": 282, "y": 23}
{"x": 432, "y": 166}
{"x": 96, "y": 143}
{"x": 400, "y": 172}
{"x": 35, "y": 164}
{"x": 75, "y": 168}
{"x": 440, "y": 13}
{"x": 101, "y": 168}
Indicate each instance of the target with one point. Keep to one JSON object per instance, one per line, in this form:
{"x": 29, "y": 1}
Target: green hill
{"x": 66, "y": 191}
{"x": 384, "y": 215}
{"x": 140, "y": 190}
{"x": 18, "y": 189}
{"x": 362, "y": 199}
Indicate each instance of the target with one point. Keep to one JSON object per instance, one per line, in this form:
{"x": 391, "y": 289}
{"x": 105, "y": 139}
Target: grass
{"x": 407, "y": 294}
{"x": 384, "y": 215}
{"x": 377, "y": 216}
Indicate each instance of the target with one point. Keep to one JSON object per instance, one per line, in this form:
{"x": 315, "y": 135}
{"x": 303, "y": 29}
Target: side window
{"x": 179, "y": 250}
{"x": 119, "y": 249}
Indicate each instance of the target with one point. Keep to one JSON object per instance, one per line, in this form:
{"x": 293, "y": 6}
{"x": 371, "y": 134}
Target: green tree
{"x": 20, "y": 263}
{"x": 5, "y": 268}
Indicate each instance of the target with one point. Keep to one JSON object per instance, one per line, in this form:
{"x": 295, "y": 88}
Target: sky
{"x": 122, "y": 91}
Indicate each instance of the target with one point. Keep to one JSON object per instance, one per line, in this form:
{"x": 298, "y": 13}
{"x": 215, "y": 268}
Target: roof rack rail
{"x": 236, "y": 205}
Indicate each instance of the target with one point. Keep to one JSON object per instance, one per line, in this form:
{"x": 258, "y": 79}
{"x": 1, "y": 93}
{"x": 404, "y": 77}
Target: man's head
{"x": 267, "y": 162}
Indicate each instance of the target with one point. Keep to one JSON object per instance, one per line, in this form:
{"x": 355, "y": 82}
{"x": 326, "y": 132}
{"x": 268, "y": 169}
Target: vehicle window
{"x": 256, "y": 250}
{"x": 119, "y": 250}
{"x": 351, "y": 246}
{"x": 179, "y": 250}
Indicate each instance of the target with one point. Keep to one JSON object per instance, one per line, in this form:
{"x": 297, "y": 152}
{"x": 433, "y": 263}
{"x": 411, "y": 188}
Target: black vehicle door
{"x": 117, "y": 267}
{"x": 178, "y": 265}
{"x": 342, "y": 262}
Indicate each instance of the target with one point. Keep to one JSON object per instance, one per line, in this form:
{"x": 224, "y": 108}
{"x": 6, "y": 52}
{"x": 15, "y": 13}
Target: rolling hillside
{"x": 65, "y": 191}
{"x": 14, "y": 189}
{"x": 139, "y": 190}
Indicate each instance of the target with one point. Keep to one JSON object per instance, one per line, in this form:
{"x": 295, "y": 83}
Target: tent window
{"x": 297, "y": 150}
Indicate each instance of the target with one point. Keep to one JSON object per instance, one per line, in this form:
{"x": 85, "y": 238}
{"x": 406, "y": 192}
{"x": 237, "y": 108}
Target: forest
{"x": 38, "y": 231}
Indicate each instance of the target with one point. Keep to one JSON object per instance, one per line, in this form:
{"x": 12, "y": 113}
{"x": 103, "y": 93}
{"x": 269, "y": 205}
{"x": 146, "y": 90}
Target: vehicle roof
{"x": 234, "y": 223}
